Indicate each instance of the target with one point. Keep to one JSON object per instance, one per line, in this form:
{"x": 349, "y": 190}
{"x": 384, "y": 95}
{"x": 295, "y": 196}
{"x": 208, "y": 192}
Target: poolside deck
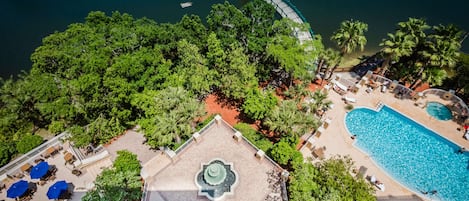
{"x": 338, "y": 142}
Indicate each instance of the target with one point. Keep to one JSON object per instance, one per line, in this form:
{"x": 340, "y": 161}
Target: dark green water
{"x": 25, "y": 22}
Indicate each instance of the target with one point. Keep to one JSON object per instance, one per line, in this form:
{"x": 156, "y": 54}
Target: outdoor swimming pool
{"x": 412, "y": 154}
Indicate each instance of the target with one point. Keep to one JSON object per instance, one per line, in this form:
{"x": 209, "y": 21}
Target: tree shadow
{"x": 226, "y": 102}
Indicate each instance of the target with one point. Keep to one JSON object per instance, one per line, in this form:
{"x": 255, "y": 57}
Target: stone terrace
{"x": 176, "y": 181}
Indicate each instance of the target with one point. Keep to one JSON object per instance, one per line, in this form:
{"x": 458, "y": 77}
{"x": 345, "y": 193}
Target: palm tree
{"x": 169, "y": 115}
{"x": 350, "y": 35}
{"x": 298, "y": 91}
{"x": 396, "y": 46}
{"x": 414, "y": 27}
{"x": 286, "y": 119}
{"x": 439, "y": 51}
{"x": 320, "y": 101}
{"x": 318, "y": 104}
{"x": 434, "y": 76}
{"x": 334, "y": 60}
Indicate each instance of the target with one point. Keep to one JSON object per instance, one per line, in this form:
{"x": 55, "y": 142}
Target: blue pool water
{"x": 412, "y": 154}
{"x": 439, "y": 111}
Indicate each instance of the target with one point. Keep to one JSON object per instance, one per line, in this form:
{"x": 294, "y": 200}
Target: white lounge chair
{"x": 380, "y": 186}
{"x": 383, "y": 88}
{"x": 466, "y": 135}
{"x": 349, "y": 99}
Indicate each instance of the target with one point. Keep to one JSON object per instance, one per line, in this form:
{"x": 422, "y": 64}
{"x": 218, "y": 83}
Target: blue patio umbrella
{"x": 39, "y": 170}
{"x": 17, "y": 189}
{"x": 56, "y": 189}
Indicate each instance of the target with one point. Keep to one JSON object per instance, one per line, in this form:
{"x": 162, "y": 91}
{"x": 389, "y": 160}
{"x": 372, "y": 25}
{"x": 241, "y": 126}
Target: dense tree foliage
{"x": 229, "y": 23}
{"x": 261, "y": 17}
{"x": 168, "y": 115}
{"x": 350, "y": 35}
{"x": 5, "y": 153}
{"x": 258, "y": 104}
{"x": 459, "y": 79}
{"x": 28, "y": 142}
{"x": 290, "y": 56}
{"x": 85, "y": 78}
{"x": 238, "y": 74}
{"x": 192, "y": 71}
{"x": 419, "y": 53}
{"x": 328, "y": 180}
{"x": 284, "y": 152}
{"x": 287, "y": 120}
{"x": 121, "y": 182}
{"x": 109, "y": 73}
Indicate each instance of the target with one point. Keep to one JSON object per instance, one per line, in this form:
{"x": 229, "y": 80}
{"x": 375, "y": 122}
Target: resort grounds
{"x": 337, "y": 140}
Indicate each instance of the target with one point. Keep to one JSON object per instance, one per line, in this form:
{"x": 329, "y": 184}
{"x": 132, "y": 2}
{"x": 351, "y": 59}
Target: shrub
{"x": 127, "y": 161}
{"x": 253, "y": 136}
{"x": 56, "y": 127}
{"x": 349, "y": 107}
{"x": 28, "y": 142}
{"x": 5, "y": 153}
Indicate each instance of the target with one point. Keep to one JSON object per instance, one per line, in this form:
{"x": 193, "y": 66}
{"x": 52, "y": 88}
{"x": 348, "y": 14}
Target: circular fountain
{"x": 215, "y": 174}
{"x": 216, "y": 179}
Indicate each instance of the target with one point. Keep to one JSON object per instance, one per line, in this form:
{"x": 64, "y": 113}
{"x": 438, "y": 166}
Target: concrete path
{"x": 133, "y": 142}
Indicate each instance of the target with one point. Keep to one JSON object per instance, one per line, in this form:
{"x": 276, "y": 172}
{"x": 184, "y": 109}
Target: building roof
{"x": 176, "y": 180}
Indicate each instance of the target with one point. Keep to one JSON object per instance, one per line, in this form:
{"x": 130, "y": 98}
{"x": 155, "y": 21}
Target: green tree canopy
{"x": 287, "y": 120}
{"x": 121, "y": 182}
{"x": 193, "y": 71}
{"x": 169, "y": 115}
{"x": 328, "y": 180}
{"x": 350, "y": 35}
{"x": 285, "y": 153}
{"x": 228, "y": 22}
{"x": 238, "y": 76}
{"x": 28, "y": 142}
{"x": 126, "y": 161}
{"x": 258, "y": 104}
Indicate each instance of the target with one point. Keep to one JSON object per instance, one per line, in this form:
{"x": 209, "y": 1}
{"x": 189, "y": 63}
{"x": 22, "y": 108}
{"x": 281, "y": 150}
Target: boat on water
{"x": 186, "y": 4}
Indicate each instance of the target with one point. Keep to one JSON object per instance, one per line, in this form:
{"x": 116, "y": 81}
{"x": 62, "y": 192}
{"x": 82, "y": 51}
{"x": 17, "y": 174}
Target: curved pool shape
{"x": 412, "y": 154}
{"x": 439, "y": 111}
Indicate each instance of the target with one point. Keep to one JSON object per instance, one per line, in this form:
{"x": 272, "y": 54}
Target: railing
{"x": 285, "y": 14}
{"x": 183, "y": 146}
{"x": 145, "y": 194}
{"x": 298, "y": 12}
{"x": 15, "y": 164}
{"x": 459, "y": 103}
{"x": 283, "y": 185}
{"x": 92, "y": 159}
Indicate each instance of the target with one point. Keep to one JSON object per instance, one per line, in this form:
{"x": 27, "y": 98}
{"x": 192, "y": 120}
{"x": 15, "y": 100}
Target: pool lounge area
{"x": 412, "y": 154}
{"x": 337, "y": 139}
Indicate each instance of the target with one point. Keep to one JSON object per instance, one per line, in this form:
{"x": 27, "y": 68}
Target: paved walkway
{"x": 338, "y": 142}
{"x": 133, "y": 142}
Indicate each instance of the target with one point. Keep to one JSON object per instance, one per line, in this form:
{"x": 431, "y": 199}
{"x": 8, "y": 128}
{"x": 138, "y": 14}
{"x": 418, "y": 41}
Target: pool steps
{"x": 379, "y": 106}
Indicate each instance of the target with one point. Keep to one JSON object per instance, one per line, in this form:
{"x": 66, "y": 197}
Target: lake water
{"x": 24, "y": 23}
